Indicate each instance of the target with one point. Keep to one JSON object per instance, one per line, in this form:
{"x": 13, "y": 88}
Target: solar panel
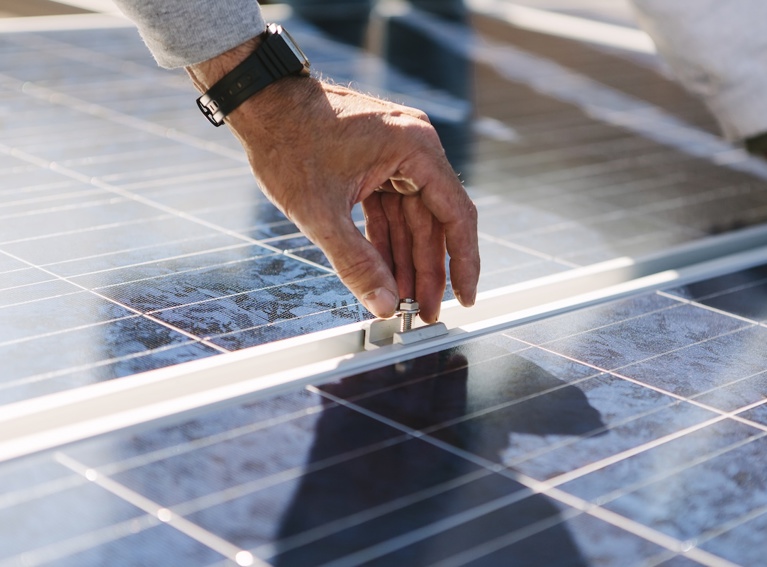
{"x": 579, "y": 439}
{"x": 133, "y": 237}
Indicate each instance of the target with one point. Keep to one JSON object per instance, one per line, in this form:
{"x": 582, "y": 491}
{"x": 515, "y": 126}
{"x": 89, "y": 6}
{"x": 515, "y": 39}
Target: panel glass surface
{"x": 582, "y": 439}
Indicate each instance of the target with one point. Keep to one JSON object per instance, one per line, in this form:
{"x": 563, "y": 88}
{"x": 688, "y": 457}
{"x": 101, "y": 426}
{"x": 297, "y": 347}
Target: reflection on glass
{"x": 407, "y": 488}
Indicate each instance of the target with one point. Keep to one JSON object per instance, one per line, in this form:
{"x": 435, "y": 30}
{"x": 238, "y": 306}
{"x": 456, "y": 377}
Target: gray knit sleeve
{"x": 184, "y": 32}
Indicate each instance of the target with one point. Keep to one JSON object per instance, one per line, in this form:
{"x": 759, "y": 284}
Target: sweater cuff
{"x": 180, "y": 33}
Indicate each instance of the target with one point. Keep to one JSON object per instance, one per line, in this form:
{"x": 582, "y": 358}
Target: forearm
{"x": 717, "y": 51}
{"x": 180, "y": 33}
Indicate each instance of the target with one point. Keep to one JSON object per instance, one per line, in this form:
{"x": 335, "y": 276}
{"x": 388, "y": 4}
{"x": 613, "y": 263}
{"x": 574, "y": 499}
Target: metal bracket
{"x": 385, "y": 332}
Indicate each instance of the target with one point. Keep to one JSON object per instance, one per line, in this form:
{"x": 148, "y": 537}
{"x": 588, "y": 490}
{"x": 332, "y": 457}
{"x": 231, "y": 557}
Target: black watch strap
{"x": 277, "y": 56}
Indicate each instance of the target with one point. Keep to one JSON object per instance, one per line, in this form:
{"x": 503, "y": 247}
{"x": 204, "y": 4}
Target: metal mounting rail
{"x": 184, "y": 390}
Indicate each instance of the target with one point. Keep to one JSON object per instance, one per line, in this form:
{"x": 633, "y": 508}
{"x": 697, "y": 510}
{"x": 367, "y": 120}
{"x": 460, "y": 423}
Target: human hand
{"x": 318, "y": 149}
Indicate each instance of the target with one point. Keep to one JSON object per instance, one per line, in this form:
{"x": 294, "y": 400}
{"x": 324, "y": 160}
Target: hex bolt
{"x": 409, "y": 309}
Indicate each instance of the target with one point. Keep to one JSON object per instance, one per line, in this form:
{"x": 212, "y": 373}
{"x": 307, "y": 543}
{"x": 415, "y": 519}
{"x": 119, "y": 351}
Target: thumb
{"x": 359, "y": 265}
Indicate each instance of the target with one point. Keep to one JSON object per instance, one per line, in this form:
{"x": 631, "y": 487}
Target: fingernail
{"x": 381, "y": 302}
{"x": 465, "y": 301}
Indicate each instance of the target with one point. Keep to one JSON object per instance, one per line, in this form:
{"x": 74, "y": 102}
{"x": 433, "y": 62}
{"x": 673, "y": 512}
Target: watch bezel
{"x": 279, "y": 31}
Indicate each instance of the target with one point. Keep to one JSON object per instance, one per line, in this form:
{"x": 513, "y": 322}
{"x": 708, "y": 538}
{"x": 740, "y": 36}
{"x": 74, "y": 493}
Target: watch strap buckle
{"x": 211, "y": 110}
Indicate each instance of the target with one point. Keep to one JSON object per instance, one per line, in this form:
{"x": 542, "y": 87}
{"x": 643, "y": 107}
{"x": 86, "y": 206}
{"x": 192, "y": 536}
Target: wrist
{"x": 264, "y": 114}
{"x": 229, "y": 80}
{"x": 207, "y": 73}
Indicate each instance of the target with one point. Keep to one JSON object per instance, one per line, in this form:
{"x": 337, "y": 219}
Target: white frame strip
{"x": 184, "y": 390}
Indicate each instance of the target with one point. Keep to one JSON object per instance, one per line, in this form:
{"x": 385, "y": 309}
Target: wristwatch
{"x": 277, "y": 56}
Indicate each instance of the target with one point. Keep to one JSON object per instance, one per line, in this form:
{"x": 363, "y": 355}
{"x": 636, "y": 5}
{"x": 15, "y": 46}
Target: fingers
{"x": 359, "y": 265}
{"x": 444, "y": 196}
{"x": 401, "y": 242}
{"x": 412, "y": 242}
{"x": 428, "y": 257}
{"x": 439, "y": 215}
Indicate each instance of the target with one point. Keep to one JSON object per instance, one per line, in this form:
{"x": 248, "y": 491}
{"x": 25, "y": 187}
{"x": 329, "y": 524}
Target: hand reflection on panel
{"x": 543, "y": 404}
{"x": 405, "y": 469}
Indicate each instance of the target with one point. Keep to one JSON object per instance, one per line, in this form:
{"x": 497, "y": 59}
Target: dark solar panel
{"x": 581, "y": 439}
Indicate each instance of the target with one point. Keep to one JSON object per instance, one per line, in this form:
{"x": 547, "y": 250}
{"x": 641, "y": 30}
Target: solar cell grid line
{"x": 538, "y": 221}
{"x": 131, "y": 196}
{"x": 145, "y": 155}
{"x": 641, "y": 367}
{"x": 654, "y": 407}
{"x": 174, "y": 508}
{"x": 596, "y": 182}
{"x": 130, "y": 213}
{"x": 92, "y": 264}
{"x": 229, "y": 418}
{"x": 92, "y": 297}
{"x": 688, "y": 252}
{"x": 154, "y": 178}
{"x": 41, "y": 364}
{"x": 206, "y": 259}
{"x": 258, "y": 271}
{"x": 97, "y": 111}
{"x": 53, "y": 201}
{"x": 543, "y": 175}
{"x": 212, "y": 430}
{"x": 118, "y": 50}
{"x": 606, "y": 234}
{"x": 223, "y": 547}
{"x": 589, "y": 150}
{"x": 80, "y": 253}
{"x": 32, "y": 292}
{"x": 705, "y": 534}
{"x": 560, "y": 128}
{"x": 533, "y": 171}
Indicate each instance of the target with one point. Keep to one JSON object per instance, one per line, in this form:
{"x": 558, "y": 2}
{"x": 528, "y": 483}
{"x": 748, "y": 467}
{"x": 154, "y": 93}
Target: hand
{"x": 318, "y": 149}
